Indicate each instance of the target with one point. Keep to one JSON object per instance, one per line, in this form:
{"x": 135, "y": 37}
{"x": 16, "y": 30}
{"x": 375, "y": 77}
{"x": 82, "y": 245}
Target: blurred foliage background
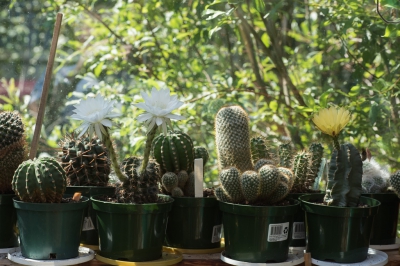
{"x": 281, "y": 60}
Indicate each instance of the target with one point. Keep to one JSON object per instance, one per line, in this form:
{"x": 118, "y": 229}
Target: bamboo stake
{"x": 46, "y": 85}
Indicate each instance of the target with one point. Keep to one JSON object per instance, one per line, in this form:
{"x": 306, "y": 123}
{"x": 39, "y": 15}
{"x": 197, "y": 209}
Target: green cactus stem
{"x": 394, "y": 181}
{"x": 220, "y": 194}
{"x": 170, "y": 181}
{"x": 259, "y": 149}
{"x": 285, "y": 153}
{"x": 113, "y": 156}
{"x": 250, "y": 182}
{"x": 260, "y": 163}
{"x": 201, "y": 152}
{"x": 269, "y": 179}
{"x": 189, "y": 186}
{"x": 301, "y": 171}
{"x": 40, "y": 181}
{"x": 345, "y": 177}
{"x": 230, "y": 182}
{"x": 317, "y": 152}
{"x": 233, "y": 138}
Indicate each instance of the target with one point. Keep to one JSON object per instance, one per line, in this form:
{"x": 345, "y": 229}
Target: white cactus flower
{"x": 158, "y": 107}
{"x": 96, "y": 113}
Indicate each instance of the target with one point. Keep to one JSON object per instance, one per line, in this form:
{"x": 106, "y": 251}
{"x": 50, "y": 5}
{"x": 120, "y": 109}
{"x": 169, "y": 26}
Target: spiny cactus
{"x": 317, "y": 152}
{"x": 85, "y": 162}
{"x": 201, "y": 152}
{"x": 285, "y": 153}
{"x": 260, "y": 163}
{"x": 138, "y": 188}
{"x": 250, "y": 182}
{"x": 12, "y": 148}
{"x": 174, "y": 152}
{"x": 269, "y": 179}
{"x": 345, "y": 176}
{"x": 374, "y": 179}
{"x": 394, "y": 181}
{"x": 170, "y": 181}
{"x": 301, "y": 171}
{"x": 189, "y": 186}
{"x": 232, "y": 138}
{"x": 230, "y": 181}
{"x": 40, "y": 180}
{"x": 259, "y": 149}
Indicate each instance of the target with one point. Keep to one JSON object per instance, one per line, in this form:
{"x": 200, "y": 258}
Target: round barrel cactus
{"x": 40, "y": 180}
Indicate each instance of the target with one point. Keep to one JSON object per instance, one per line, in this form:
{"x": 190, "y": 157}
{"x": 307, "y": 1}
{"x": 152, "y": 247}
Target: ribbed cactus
{"x": 374, "y": 179}
{"x": 201, "y": 152}
{"x": 394, "y": 181}
{"x": 285, "y": 153}
{"x": 40, "y": 180}
{"x": 317, "y": 152}
{"x": 301, "y": 166}
{"x": 85, "y": 162}
{"x": 345, "y": 176}
{"x": 138, "y": 188}
{"x": 174, "y": 152}
{"x": 259, "y": 149}
{"x": 233, "y": 138}
{"x": 12, "y": 148}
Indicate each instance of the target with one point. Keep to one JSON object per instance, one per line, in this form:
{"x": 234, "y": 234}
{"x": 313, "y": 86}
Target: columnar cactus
{"x": 139, "y": 187}
{"x": 301, "y": 171}
{"x": 85, "y": 162}
{"x": 394, "y": 181}
{"x": 317, "y": 152}
{"x": 345, "y": 176}
{"x": 233, "y": 138}
{"x": 41, "y": 180}
{"x": 174, "y": 152}
{"x": 12, "y": 148}
{"x": 241, "y": 182}
{"x": 259, "y": 149}
{"x": 285, "y": 153}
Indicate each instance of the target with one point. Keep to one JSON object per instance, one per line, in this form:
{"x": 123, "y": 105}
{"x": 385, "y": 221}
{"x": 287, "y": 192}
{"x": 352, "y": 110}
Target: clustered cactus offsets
{"x": 85, "y": 161}
{"x": 12, "y": 148}
{"x": 375, "y": 179}
{"x": 175, "y": 153}
{"x": 244, "y": 180}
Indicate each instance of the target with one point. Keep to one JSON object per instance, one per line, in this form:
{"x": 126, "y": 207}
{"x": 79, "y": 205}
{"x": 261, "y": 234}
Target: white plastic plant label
{"x": 87, "y": 224}
{"x": 216, "y": 234}
{"x": 278, "y": 232}
{"x": 298, "y": 230}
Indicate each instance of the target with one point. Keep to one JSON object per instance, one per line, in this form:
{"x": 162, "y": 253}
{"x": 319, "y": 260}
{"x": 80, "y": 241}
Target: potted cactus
{"x": 49, "y": 224}
{"x": 12, "y": 153}
{"x": 376, "y": 185}
{"x": 256, "y": 216}
{"x": 194, "y": 223}
{"x": 132, "y": 222}
{"x": 339, "y": 224}
{"x": 87, "y": 167}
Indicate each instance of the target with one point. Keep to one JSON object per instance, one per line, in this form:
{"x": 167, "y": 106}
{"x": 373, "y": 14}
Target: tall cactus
{"x": 317, "y": 152}
{"x": 345, "y": 176}
{"x": 233, "y": 138}
{"x": 394, "y": 181}
{"x": 285, "y": 153}
{"x": 12, "y": 148}
{"x": 41, "y": 180}
{"x": 174, "y": 152}
{"x": 301, "y": 171}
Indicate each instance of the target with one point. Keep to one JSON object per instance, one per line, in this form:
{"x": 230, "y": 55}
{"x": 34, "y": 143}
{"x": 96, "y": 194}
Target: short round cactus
{"x": 40, "y": 180}
{"x": 169, "y": 181}
{"x": 201, "y": 152}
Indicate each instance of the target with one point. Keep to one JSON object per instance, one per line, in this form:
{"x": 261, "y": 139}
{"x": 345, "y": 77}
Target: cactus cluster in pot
{"x": 243, "y": 180}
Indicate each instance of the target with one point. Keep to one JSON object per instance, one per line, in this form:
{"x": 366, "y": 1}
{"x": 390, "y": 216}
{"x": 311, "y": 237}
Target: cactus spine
{"x": 374, "y": 179}
{"x": 12, "y": 148}
{"x": 317, "y": 152}
{"x": 300, "y": 170}
{"x": 259, "y": 149}
{"x": 233, "y": 138}
{"x": 285, "y": 153}
{"x": 201, "y": 152}
{"x": 345, "y": 176}
{"x": 41, "y": 180}
{"x": 394, "y": 181}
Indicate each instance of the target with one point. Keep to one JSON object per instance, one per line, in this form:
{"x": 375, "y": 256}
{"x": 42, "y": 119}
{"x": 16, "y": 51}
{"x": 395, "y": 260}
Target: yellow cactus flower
{"x": 331, "y": 120}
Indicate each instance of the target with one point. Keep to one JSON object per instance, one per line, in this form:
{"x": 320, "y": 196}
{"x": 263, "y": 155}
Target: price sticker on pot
{"x": 216, "y": 234}
{"x": 298, "y": 230}
{"x": 278, "y": 232}
{"x": 87, "y": 224}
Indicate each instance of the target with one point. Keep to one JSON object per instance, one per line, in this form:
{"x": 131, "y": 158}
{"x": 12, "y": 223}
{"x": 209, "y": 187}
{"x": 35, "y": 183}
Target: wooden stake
{"x": 46, "y": 85}
{"x": 198, "y": 178}
{"x": 307, "y": 259}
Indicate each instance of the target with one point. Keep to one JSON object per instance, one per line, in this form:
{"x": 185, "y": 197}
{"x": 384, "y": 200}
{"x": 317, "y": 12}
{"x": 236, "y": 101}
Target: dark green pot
{"x": 339, "y": 234}
{"x": 50, "y": 230}
{"x": 252, "y": 232}
{"x": 89, "y": 235}
{"x": 191, "y": 223}
{"x": 131, "y": 232}
{"x": 384, "y": 230}
{"x": 298, "y": 236}
{"x": 8, "y": 220}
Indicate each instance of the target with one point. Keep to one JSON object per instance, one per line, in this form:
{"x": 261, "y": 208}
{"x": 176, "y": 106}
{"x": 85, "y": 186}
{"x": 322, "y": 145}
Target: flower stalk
{"x": 149, "y": 140}
{"x": 113, "y": 156}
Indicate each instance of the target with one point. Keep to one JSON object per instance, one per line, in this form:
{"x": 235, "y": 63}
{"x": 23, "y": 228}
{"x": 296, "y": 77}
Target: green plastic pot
{"x": 384, "y": 229}
{"x": 257, "y": 234}
{"x": 338, "y": 234}
{"x": 194, "y": 223}
{"x": 89, "y": 235}
{"x": 131, "y": 232}
{"x": 50, "y": 230}
{"x": 8, "y": 236}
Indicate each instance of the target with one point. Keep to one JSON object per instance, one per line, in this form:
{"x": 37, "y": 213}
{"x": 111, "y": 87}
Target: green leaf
{"x": 323, "y": 99}
{"x": 98, "y": 69}
{"x": 260, "y": 5}
{"x": 308, "y": 99}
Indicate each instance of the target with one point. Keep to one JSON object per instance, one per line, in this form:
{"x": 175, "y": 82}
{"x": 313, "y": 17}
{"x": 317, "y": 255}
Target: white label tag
{"x": 216, "y": 235}
{"x": 299, "y": 231}
{"x": 87, "y": 224}
{"x": 278, "y": 232}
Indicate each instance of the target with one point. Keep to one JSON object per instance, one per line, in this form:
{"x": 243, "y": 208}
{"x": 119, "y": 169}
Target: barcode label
{"x": 278, "y": 232}
{"x": 216, "y": 234}
{"x": 87, "y": 224}
{"x": 299, "y": 231}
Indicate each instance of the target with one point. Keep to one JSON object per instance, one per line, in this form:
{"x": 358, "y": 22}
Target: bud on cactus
{"x": 40, "y": 180}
